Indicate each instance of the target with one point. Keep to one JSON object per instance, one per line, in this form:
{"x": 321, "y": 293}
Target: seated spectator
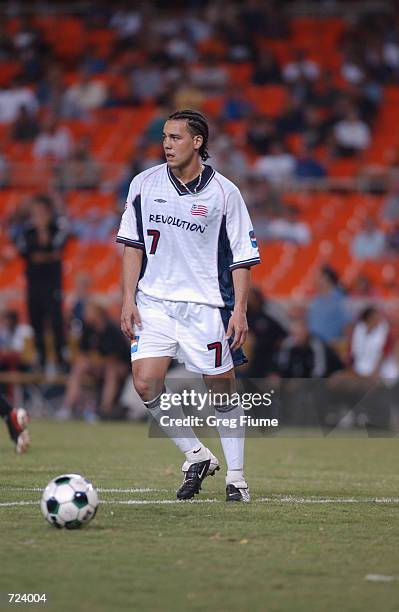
{"x": 50, "y": 90}
{"x": 104, "y": 354}
{"x": 370, "y": 343}
{"x": 266, "y": 334}
{"x": 210, "y": 76}
{"x": 369, "y": 243}
{"x": 230, "y": 161}
{"x": 351, "y": 135}
{"x": 287, "y": 226}
{"x": 25, "y": 127}
{"x": 94, "y": 226}
{"x": 53, "y": 141}
{"x": 328, "y": 316}
{"x": 92, "y": 63}
{"x": 291, "y": 120}
{"x": 300, "y": 68}
{"x": 304, "y": 355}
{"x": 15, "y": 96}
{"x": 4, "y": 170}
{"x": 148, "y": 82}
{"x": 277, "y": 166}
{"x": 390, "y": 206}
{"x": 393, "y": 240}
{"x": 84, "y": 96}
{"x": 266, "y": 69}
{"x": 261, "y": 134}
{"x": 80, "y": 171}
{"x": 236, "y": 105}
{"x": 307, "y": 166}
{"x": 315, "y": 127}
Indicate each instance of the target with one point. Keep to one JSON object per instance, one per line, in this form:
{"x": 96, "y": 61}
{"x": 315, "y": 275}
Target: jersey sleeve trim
{"x": 129, "y": 242}
{"x": 246, "y": 263}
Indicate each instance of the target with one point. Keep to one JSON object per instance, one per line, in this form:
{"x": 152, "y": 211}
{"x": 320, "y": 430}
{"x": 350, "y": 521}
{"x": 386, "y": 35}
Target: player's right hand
{"x": 130, "y": 317}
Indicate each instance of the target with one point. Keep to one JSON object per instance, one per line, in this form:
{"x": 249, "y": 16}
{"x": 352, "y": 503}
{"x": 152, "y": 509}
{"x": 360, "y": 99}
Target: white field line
{"x": 100, "y": 490}
{"x": 282, "y": 500}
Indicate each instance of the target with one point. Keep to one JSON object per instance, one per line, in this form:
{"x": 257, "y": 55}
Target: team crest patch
{"x": 253, "y": 239}
{"x": 134, "y": 345}
{"x": 199, "y": 210}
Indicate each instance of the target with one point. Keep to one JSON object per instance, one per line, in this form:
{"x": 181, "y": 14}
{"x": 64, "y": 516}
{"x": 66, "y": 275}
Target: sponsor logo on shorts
{"x": 134, "y": 345}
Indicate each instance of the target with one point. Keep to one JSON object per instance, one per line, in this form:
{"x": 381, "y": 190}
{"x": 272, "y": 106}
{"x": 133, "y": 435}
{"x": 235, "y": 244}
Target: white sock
{"x": 233, "y": 439}
{"x": 184, "y": 437}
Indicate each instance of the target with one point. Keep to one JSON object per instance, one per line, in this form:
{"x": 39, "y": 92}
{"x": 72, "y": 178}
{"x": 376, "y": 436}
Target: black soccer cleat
{"x": 237, "y": 494}
{"x": 193, "y": 478}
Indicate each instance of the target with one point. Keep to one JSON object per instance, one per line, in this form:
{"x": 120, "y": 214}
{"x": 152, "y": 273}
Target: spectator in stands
{"x": 210, "y": 76}
{"x": 304, "y": 355}
{"x": 328, "y": 316}
{"x": 86, "y": 95}
{"x": 92, "y": 62}
{"x": 351, "y": 135}
{"x": 315, "y": 127}
{"x": 300, "y": 68}
{"x": 291, "y": 119}
{"x": 94, "y": 225}
{"x": 148, "y": 82}
{"x": 277, "y": 166}
{"x": 393, "y": 240}
{"x": 390, "y": 207}
{"x": 6, "y": 44}
{"x": 369, "y": 243}
{"x": 15, "y": 338}
{"x": 266, "y": 334}
{"x": 266, "y": 70}
{"x": 51, "y": 89}
{"x": 81, "y": 298}
{"x": 4, "y": 170}
{"x": 41, "y": 243}
{"x": 229, "y": 160}
{"x": 288, "y": 226}
{"x": 54, "y": 141}
{"x": 104, "y": 354}
{"x": 25, "y": 127}
{"x": 236, "y": 105}
{"x": 370, "y": 343}
{"x": 13, "y": 97}
{"x": 80, "y": 171}
{"x": 307, "y": 166}
{"x": 261, "y": 134}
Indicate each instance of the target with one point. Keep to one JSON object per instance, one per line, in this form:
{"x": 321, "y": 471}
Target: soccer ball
{"x": 69, "y": 501}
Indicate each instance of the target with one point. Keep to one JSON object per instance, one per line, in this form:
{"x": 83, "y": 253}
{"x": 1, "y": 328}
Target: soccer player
{"x": 189, "y": 244}
{"x": 16, "y": 420}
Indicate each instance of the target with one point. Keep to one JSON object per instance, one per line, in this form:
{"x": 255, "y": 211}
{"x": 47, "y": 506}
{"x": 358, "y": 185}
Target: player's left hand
{"x": 238, "y": 329}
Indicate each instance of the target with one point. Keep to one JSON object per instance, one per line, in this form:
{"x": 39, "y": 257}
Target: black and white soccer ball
{"x": 69, "y": 501}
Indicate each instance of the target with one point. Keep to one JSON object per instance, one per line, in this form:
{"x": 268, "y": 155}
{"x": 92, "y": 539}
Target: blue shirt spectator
{"x": 327, "y": 314}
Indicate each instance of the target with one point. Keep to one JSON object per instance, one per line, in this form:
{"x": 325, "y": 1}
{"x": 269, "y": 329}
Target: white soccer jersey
{"x": 191, "y": 242}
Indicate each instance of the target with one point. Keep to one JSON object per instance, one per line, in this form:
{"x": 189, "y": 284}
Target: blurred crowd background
{"x": 303, "y": 104}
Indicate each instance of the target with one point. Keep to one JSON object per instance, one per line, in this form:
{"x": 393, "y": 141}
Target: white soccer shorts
{"x": 194, "y": 334}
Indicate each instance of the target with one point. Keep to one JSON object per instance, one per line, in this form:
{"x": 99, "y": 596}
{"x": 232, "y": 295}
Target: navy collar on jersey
{"x": 207, "y": 175}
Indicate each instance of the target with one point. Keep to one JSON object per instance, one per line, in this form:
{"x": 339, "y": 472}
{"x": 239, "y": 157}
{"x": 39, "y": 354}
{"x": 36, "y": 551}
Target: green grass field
{"x": 307, "y": 547}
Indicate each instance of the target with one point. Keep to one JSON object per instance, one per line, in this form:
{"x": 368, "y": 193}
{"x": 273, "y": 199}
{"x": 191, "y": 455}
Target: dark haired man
{"x": 189, "y": 244}
{"x": 41, "y": 244}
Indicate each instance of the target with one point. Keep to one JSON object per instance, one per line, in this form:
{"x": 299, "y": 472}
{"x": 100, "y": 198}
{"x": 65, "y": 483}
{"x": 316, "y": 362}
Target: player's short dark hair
{"x": 197, "y": 125}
